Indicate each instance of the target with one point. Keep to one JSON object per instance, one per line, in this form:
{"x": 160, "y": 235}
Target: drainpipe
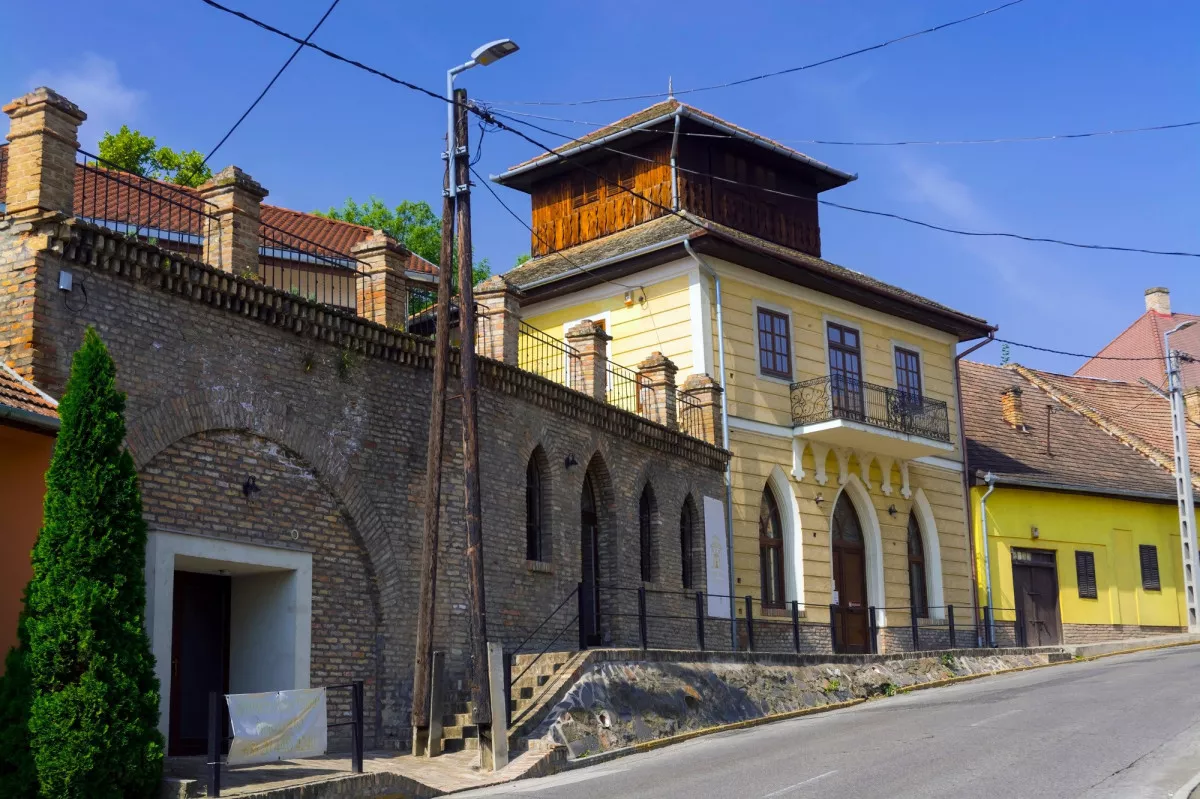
{"x": 674, "y": 170}
{"x": 966, "y": 479}
{"x": 990, "y": 479}
{"x": 706, "y": 269}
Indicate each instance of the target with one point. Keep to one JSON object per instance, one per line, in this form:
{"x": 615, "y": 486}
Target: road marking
{"x": 799, "y": 784}
{"x": 993, "y": 718}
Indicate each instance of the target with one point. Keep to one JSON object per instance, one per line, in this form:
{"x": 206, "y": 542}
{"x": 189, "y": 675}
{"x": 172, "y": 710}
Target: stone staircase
{"x": 532, "y": 692}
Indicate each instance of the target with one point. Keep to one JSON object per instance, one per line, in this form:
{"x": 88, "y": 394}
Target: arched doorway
{"x": 589, "y": 548}
{"x": 849, "y": 578}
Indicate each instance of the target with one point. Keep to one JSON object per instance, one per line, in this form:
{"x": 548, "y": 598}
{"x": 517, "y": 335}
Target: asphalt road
{"x": 1126, "y": 726}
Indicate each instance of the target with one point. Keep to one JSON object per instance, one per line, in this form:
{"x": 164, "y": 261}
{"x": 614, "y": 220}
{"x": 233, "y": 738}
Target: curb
{"x": 658, "y": 743}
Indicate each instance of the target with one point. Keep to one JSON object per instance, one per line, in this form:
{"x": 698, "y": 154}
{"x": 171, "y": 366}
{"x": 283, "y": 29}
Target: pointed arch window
{"x": 537, "y": 543}
{"x": 917, "y": 588}
{"x": 647, "y": 510}
{"x": 687, "y": 523}
{"x": 770, "y": 550}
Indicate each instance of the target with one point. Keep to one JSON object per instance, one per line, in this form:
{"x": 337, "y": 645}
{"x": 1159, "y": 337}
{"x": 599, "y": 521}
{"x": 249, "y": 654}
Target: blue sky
{"x": 183, "y": 72}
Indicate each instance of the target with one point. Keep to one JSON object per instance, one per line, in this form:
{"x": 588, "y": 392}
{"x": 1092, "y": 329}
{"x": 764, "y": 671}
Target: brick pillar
{"x": 703, "y": 422}
{"x": 235, "y": 199}
{"x": 589, "y": 368}
{"x": 656, "y": 392}
{"x": 499, "y": 321}
{"x": 43, "y": 138}
{"x": 382, "y": 290}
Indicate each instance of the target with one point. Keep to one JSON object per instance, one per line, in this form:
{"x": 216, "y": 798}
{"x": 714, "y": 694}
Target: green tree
{"x": 18, "y": 777}
{"x": 134, "y": 152}
{"x": 94, "y": 712}
{"x": 522, "y": 258}
{"x": 413, "y": 224}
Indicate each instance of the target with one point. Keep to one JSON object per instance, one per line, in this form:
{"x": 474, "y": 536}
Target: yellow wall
{"x": 24, "y": 458}
{"x": 664, "y": 323}
{"x": 1111, "y": 528}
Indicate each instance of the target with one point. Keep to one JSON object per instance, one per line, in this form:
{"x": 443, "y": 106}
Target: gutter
{"x": 962, "y": 443}
{"x": 706, "y": 268}
{"x": 30, "y": 419}
{"x": 1047, "y": 485}
{"x": 990, "y": 479}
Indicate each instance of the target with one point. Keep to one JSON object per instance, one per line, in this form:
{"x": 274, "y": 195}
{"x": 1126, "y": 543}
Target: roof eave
{"x": 1017, "y": 481}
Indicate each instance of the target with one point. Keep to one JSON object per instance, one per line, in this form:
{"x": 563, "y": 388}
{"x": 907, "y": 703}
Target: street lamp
{"x": 482, "y": 57}
{"x": 1183, "y": 479}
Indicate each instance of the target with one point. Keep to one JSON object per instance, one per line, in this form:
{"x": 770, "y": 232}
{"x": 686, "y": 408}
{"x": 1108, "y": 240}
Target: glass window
{"x": 770, "y": 549}
{"x": 916, "y": 569}
{"x": 535, "y": 543}
{"x": 645, "y": 530}
{"x": 686, "y": 544}
{"x": 908, "y": 372}
{"x": 774, "y": 344}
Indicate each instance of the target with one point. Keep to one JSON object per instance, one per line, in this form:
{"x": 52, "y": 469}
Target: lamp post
{"x": 482, "y": 57}
{"x": 1183, "y": 479}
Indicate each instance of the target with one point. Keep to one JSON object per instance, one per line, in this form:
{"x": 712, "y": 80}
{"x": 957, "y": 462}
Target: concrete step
{"x": 459, "y": 744}
{"x": 456, "y": 720}
{"x": 460, "y": 731}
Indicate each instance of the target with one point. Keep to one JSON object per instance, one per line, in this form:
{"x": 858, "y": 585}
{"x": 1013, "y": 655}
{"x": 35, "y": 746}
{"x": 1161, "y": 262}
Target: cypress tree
{"x": 94, "y": 713}
{"x": 18, "y": 779}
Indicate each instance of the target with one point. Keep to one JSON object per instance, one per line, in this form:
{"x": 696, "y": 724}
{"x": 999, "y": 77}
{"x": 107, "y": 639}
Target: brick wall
{"x": 224, "y": 375}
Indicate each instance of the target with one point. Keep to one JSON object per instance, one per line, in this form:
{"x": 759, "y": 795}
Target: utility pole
{"x": 1183, "y": 481}
{"x": 477, "y": 610}
{"x": 433, "y": 477}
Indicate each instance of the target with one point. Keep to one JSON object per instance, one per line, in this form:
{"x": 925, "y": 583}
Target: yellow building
{"x": 847, "y": 473}
{"x": 1080, "y": 520}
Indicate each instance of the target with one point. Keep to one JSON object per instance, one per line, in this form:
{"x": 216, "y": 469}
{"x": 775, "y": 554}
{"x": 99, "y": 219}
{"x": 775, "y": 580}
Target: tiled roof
{"x": 667, "y": 107}
{"x": 1063, "y": 448}
{"x": 1144, "y": 339}
{"x": 664, "y": 229}
{"x": 20, "y": 395}
{"x": 1134, "y": 413}
{"x": 157, "y": 204}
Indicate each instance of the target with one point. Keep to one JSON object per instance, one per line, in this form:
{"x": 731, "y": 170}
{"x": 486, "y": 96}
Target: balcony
{"x": 850, "y": 413}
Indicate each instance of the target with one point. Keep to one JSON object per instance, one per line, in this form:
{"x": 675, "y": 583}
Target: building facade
{"x": 1075, "y": 521}
{"x": 280, "y": 444}
{"x": 681, "y": 234}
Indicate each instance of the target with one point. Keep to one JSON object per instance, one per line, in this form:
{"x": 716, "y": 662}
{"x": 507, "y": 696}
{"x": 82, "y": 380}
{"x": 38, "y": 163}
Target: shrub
{"x": 93, "y": 719}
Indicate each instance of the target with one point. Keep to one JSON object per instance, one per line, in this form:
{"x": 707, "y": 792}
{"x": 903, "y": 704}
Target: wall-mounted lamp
{"x": 628, "y": 298}
{"x": 1034, "y": 532}
{"x": 818, "y": 499}
{"x": 250, "y": 487}
{"x": 570, "y": 461}
{"x": 892, "y": 510}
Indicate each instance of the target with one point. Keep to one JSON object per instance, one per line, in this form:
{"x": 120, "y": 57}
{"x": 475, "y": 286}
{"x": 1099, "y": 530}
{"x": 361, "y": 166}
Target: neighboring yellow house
{"x": 28, "y": 426}
{"x": 847, "y": 473}
{"x": 1081, "y": 523}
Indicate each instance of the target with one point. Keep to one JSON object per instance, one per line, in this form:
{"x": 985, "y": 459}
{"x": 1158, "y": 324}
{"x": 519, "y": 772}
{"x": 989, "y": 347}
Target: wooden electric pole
{"x": 477, "y": 613}
{"x": 422, "y": 667}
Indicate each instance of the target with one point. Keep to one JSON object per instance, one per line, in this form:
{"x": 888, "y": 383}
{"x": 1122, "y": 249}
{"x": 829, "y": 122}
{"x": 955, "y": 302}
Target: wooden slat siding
{"x": 578, "y": 206}
{"x": 791, "y": 222}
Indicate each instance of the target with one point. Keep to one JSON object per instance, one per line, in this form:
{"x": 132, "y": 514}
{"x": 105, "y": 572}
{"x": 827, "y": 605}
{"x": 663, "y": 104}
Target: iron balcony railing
{"x": 824, "y": 399}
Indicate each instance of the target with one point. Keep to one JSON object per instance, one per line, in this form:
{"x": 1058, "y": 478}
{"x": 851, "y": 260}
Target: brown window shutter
{"x": 1085, "y": 570}
{"x": 1148, "y": 554}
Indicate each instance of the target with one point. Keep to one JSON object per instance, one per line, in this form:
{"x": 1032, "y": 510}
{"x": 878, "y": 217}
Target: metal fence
{"x": 172, "y": 217}
{"x": 624, "y": 387}
{"x": 844, "y": 397}
{"x": 544, "y": 355}
{"x": 306, "y": 269}
{"x": 689, "y": 414}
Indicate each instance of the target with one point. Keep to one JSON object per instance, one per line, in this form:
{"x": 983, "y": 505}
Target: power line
{"x": 899, "y": 143}
{"x": 263, "y": 93}
{"x": 765, "y": 75}
{"x": 487, "y": 184}
{"x": 1076, "y": 354}
{"x": 490, "y": 116}
{"x": 831, "y": 204}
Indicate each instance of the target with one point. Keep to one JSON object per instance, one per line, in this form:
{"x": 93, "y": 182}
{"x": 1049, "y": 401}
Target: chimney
{"x": 1158, "y": 299}
{"x": 1010, "y": 406}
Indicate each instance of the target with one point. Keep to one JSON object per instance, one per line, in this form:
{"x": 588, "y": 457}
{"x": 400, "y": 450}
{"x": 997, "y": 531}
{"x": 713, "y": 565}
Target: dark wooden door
{"x": 850, "y": 580}
{"x": 589, "y": 547}
{"x": 1035, "y": 588}
{"x": 199, "y": 656}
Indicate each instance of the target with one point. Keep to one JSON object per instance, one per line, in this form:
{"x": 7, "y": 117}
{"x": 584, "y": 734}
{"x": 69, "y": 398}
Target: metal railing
{"x": 307, "y": 269}
{"x": 689, "y": 414}
{"x": 824, "y": 399}
{"x": 624, "y": 387}
{"x": 544, "y": 355}
{"x": 172, "y": 217}
{"x": 541, "y": 639}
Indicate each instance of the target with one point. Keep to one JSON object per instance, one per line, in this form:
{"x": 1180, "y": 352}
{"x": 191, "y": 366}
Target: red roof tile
{"x": 20, "y": 395}
{"x": 1144, "y": 339}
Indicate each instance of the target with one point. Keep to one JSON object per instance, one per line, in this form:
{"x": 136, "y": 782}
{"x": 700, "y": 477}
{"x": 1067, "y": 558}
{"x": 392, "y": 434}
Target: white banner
{"x": 278, "y": 725}
{"x": 716, "y": 557}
